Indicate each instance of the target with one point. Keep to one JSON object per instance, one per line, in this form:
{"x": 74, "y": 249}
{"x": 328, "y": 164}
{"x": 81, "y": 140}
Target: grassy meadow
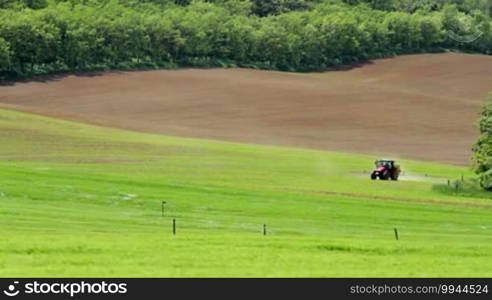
{"x": 81, "y": 200}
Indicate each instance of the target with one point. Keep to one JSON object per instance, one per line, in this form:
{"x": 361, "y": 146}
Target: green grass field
{"x": 80, "y": 200}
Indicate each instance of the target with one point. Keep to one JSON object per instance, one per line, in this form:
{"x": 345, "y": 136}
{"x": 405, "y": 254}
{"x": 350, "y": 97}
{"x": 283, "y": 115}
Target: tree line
{"x": 44, "y": 36}
{"x": 482, "y": 150}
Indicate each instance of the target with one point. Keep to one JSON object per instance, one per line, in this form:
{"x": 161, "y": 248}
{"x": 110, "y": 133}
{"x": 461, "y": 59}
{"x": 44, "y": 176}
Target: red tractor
{"x": 386, "y": 169}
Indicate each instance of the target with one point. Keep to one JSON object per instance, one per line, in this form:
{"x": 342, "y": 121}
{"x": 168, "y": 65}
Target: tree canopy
{"x": 43, "y": 36}
{"x": 483, "y": 147}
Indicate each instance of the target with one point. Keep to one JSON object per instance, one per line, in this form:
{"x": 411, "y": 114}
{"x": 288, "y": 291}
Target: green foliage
{"x": 264, "y": 8}
{"x": 294, "y": 35}
{"x": 412, "y": 6}
{"x": 236, "y": 7}
{"x": 17, "y": 4}
{"x": 375, "y": 4}
{"x": 466, "y": 188}
{"x": 483, "y": 147}
{"x": 4, "y": 54}
{"x": 33, "y": 41}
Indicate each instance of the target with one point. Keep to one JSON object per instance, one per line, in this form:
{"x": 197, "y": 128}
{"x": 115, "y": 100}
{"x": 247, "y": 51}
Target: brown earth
{"x": 416, "y": 106}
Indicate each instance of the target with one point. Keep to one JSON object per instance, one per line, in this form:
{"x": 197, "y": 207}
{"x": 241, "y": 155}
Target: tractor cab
{"x": 385, "y": 163}
{"x": 386, "y": 169}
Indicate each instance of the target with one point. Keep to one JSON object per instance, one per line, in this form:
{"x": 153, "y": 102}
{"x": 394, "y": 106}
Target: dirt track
{"x": 418, "y": 106}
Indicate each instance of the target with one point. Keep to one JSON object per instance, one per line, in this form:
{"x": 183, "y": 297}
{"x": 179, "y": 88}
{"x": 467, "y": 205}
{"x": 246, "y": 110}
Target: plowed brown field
{"x": 416, "y": 106}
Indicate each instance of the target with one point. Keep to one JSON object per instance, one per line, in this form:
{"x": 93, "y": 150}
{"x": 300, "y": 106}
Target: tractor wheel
{"x": 394, "y": 177}
{"x": 374, "y": 176}
{"x": 384, "y": 176}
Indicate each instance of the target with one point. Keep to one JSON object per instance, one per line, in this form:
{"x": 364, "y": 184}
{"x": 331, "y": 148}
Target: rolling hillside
{"x": 82, "y": 200}
{"x": 417, "y": 106}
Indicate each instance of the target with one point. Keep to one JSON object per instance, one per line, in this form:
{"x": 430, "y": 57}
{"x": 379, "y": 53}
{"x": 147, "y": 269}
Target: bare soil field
{"x": 415, "y": 106}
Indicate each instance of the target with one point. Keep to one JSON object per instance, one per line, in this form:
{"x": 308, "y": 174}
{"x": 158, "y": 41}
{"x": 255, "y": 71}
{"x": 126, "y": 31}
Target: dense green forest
{"x": 482, "y": 150}
{"x": 45, "y": 36}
